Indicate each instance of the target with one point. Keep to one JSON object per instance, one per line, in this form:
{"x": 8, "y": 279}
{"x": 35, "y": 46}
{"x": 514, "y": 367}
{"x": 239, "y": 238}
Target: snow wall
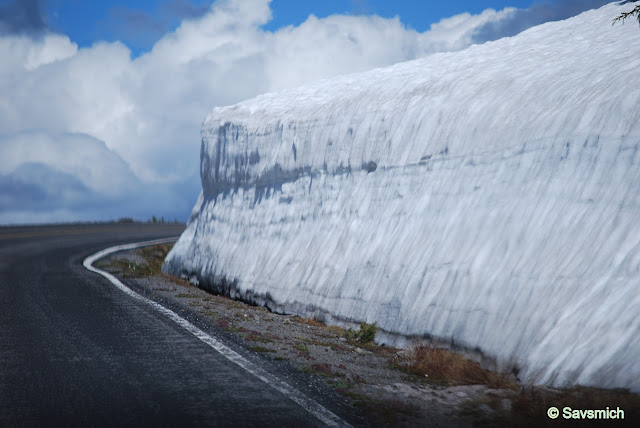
{"x": 488, "y": 198}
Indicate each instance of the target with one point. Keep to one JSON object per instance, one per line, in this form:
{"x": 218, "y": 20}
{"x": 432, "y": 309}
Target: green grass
{"x": 237, "y": 329}
{"x": 341, "y": 384}
{"x": 302, "y": 348}
{"x": 260, "y": 349}
{"x": 365, "y": 334}
{"x": 257, "y": 337}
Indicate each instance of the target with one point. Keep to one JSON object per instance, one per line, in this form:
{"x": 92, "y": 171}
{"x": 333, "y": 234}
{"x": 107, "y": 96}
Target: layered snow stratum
{"x": 488, "y": 198}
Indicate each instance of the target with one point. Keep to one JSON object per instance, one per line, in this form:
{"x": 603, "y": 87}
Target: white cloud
{"x": 75, "y": 176}
{"x": 149, "y": 110}
{"x": 21, "y": 53}
{"x": 78, "y": 155}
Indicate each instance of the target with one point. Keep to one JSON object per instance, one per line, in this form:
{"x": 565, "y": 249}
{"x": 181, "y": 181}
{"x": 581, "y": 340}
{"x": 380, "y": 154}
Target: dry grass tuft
{"x": 154, "y": 256}
{"x": 309, "y": 321}
{"x": 323, "y": 369}
{"x": 440, "y": 365}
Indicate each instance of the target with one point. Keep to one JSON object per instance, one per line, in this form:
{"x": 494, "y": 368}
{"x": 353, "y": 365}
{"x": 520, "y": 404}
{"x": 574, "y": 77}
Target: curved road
{"x": 76, "y": 350}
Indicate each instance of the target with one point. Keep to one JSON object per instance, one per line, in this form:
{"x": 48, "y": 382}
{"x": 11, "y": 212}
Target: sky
{"x": 101, "y": 103}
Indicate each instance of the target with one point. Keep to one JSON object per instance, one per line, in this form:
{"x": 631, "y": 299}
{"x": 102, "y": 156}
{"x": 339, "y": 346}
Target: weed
{"x": 305, "y": 339}
{"x": 323, "y": 369}
{"x": 238, "y": 329}
{"x": 366, "y": 333}
{"x": 337, "y": 330}
{"x": 341, "y": 384}
{"x": 301, "y": 347}
{"x": 441, "y": 366}
{"x": 186, "y": 296}
{"x": 359, "y": 398}
{"x": 255, "y": 336}
{"x": 309, "y": 321}
{"x": 260, "y": 349}
{"x": 154, "y": 257}
{"x": 224, "y": 323}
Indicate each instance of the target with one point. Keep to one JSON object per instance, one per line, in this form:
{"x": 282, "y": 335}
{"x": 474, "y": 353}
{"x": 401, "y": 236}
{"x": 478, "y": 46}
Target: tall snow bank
{"x": 489, "y": 198}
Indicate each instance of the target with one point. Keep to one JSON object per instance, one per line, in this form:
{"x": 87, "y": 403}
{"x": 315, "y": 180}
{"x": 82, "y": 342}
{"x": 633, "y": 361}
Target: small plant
{"x": 260, "y": 349}
{"x": 309, "y": 321}
{"x": 186, "y": 296}
{"x": 323, "y": 369}
{"x": 236, "y": 329}
{"x": 366, "y": 333}
{"x": 441, "y": 366}
{"x": 255, "y": 336}
{"x": 224, "y": 323}
{"x": 342, "y": 384}
{"x": 301, "y": 347}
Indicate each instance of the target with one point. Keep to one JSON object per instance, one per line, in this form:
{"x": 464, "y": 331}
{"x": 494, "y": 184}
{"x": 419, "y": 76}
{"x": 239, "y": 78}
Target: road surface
{"x": 75, "y": 350}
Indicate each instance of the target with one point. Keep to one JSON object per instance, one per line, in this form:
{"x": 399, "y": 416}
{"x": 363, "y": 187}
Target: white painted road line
{"x": 325, "y": 416}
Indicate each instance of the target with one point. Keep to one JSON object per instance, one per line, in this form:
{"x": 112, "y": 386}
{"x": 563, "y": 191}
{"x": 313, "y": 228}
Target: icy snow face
{"x": 489, "y": 198}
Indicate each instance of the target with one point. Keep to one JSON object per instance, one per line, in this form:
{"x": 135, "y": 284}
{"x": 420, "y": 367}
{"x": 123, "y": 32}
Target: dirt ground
{"x": 418, "y": 386}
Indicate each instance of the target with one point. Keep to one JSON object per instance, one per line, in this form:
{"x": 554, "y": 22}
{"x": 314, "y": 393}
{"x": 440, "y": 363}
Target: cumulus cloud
{"x": 40, "y": 171}
{"x": 89, "y": 160}
{"x": 147, "y": 111}
{"x": 75, "y": 175}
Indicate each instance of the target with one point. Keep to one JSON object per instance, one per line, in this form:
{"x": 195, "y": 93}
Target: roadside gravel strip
{"x": 366, "y": 383}
{"x": 325, "y": 416}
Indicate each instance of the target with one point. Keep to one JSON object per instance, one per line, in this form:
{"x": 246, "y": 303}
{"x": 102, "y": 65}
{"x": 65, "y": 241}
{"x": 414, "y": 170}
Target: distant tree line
{"x": 153, "y": 219}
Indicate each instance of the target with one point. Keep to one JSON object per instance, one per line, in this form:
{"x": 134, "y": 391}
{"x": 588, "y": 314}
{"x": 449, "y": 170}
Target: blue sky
{"x": 140, "y": 23}
{"x": 101, "y": 102}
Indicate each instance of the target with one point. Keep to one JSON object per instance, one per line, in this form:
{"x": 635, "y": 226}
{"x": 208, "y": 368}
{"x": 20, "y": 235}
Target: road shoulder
{"x": 376, "y": 385}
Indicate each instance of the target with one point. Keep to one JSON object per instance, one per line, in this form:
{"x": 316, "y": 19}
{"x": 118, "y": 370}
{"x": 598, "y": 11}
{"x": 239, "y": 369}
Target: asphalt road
{"x": 75, "y": 350}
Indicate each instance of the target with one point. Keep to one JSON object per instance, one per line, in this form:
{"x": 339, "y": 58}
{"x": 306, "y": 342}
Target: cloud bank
{"x": 83, "y": 126}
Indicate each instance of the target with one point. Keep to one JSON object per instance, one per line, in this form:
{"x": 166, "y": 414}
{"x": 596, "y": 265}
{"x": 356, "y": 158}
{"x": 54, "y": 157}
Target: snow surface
{"x": 489, "y": 198}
